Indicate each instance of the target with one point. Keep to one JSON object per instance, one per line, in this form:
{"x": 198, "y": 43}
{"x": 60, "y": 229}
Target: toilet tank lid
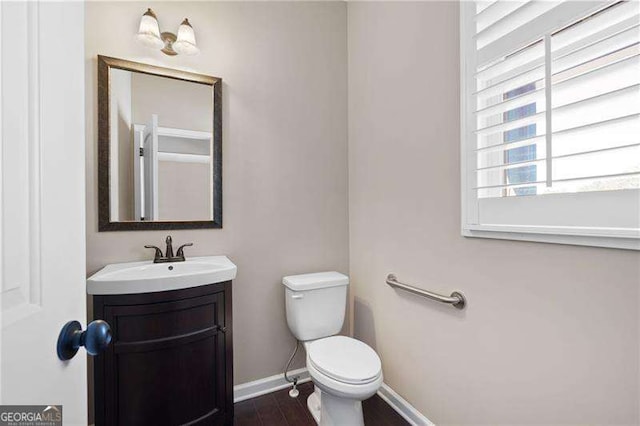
{"x": 315, "y": 281}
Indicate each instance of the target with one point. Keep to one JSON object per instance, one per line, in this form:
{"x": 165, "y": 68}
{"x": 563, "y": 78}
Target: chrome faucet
{"x": 168, "y": 255}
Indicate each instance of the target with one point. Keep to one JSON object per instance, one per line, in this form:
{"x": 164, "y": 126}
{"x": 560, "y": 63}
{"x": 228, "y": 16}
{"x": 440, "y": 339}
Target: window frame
{"x": 609, "y": 237}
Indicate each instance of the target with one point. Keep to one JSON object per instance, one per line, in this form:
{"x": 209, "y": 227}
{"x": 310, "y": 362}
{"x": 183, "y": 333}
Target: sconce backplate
{"x": 168, "y": 38}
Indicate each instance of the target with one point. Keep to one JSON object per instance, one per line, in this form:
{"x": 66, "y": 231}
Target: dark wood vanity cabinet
{"x": 170, "y": 361}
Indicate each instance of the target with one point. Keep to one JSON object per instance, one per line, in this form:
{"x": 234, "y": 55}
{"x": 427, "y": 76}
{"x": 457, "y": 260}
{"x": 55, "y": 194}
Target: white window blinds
{"x": 551, "y": 116}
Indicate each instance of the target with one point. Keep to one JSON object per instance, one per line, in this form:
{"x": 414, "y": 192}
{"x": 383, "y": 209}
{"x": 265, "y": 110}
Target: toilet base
{"x": 313, "y": 403}
{"x": 328, "y": 410}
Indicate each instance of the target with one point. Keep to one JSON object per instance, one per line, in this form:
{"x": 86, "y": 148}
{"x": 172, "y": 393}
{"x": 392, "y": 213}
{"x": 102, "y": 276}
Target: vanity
{"x": 170, "y": 361}
{"x": 168, "y": 356}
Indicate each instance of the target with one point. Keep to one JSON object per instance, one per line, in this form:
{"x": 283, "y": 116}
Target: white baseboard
{"x": 402, "y": 407}
{"x": 274, "y": 383}
{"x": 267, "y": 385}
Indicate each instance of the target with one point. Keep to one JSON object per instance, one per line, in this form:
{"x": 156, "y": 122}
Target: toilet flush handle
{"x": 297, "y": 296}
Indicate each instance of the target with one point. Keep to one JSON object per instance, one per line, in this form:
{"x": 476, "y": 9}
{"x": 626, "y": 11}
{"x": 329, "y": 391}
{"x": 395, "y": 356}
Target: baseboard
{"x": 267, "y": 385}
{"x": 402, "y": 407}
{"x": 274, "y": 383}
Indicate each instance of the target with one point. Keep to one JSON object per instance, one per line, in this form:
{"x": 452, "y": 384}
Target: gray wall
{"x": 179, "y": 104}
{"x": 184, "y": 190}
{"x": 551, "y": 333}
{"x": 284, "y": 151}
{"x": 121, "y": 167}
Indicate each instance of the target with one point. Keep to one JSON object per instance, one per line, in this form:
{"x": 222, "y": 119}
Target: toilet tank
{"x": 315, "y": 304}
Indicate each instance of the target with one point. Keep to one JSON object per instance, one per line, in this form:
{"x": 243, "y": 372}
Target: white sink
{"x": 147, "y": 277}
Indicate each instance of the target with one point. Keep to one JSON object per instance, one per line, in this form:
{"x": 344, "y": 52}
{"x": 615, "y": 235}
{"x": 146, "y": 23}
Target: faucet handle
{"x": 158, "y": 251}
{"x": 180, "y": 252}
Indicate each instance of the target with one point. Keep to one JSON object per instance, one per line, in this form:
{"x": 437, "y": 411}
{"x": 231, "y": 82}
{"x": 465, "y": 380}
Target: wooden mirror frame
{"x": 105, "y": 64}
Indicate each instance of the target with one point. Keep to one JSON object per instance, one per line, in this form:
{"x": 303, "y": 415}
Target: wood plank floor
{"x": 278, "y": 409}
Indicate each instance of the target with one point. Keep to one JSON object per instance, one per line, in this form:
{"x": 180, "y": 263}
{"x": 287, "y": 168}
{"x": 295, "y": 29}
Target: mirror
{"x": 159, "y": 147}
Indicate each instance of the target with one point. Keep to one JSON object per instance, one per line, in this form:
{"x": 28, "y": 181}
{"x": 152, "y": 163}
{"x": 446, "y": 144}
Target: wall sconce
{"x": 170, "y": 44}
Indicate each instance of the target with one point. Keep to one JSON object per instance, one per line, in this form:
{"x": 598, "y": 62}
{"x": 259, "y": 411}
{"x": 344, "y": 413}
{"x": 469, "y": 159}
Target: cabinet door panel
{"x": 139, "y": 323}
{"x": 171, "y": 386}
{"x": 167, "y": 364}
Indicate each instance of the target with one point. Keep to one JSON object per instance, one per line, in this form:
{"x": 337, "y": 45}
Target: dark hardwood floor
{"x": 278, "y": 409}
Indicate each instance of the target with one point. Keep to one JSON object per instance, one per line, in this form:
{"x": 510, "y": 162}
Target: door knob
{"x": 95, "y": 339}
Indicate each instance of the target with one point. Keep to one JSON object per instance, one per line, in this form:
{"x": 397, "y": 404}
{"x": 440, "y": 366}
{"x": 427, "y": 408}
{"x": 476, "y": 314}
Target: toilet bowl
{"x": 345, "y": 371}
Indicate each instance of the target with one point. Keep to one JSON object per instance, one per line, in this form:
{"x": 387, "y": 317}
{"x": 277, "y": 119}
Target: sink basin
{"x": 147, "y": 277}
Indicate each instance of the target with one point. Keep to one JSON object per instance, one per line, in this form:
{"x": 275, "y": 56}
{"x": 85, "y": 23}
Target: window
{"x": 551, "y": 121}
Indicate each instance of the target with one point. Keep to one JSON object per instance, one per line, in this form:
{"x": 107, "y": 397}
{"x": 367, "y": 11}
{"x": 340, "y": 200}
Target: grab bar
{"x": 456, "y": 299}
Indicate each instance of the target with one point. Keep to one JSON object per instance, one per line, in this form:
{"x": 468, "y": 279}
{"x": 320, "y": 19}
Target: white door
{"x": 150, "y": 155}
{"x": 42, "y": 203}
{"x": 138, "y": 179}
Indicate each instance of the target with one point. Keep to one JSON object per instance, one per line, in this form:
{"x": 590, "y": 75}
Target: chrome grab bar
{"x": 456, "y": 299}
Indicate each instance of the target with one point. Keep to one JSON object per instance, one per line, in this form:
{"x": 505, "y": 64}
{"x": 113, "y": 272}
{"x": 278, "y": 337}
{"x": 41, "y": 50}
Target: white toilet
{"x": 345, "y": 371}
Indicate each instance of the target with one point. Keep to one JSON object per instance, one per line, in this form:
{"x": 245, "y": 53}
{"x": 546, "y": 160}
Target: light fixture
{"x": 186, "y": 43}
{"x": 150, "y": 36}
{"x": 149, "y": 31}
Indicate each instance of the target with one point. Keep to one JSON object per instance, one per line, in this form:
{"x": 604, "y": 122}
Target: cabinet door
{"x": 166, "y": 365}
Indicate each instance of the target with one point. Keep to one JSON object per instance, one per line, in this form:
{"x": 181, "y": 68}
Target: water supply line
{"x": 293, "y": 393}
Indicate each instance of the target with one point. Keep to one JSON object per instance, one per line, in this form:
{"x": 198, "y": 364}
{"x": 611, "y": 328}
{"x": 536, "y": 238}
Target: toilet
{"x": 345, "y": 371}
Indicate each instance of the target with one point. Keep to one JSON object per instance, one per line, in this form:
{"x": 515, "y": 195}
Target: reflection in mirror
{"x": 161, "y": 141}
{"x": 163, "y": 148}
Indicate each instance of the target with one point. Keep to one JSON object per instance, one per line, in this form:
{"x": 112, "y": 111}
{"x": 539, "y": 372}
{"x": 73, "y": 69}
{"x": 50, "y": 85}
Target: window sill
{"x": 625, "y": 239}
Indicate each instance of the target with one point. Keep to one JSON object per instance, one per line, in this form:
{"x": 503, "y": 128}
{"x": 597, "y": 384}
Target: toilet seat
{"x": 345, "y": 360}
